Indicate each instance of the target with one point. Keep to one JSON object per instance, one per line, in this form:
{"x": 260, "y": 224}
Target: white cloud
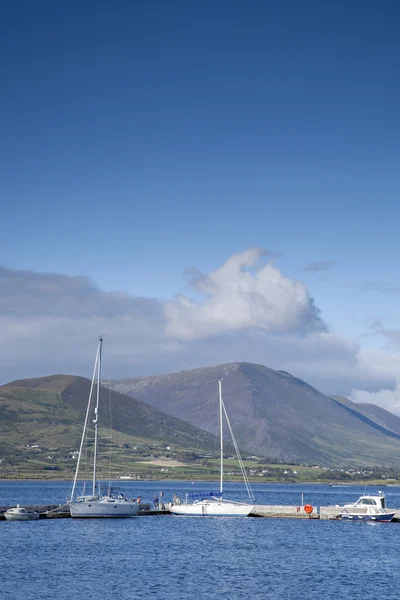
{"x": 381, "y": 382}
{"x": 243, "y": 293}
{"x": 386, "y": 398}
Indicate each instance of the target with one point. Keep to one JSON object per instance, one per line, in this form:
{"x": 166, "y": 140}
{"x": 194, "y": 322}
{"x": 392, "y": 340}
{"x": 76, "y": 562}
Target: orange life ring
{"x": 308, "y": 509}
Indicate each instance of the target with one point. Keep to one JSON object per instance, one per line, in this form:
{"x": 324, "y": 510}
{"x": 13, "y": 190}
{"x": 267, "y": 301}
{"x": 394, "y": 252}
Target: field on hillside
{"x": 187, "y": 467}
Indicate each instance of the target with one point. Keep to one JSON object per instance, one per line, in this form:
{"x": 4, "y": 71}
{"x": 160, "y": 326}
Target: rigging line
{"x": 85, "y": 462}
{"x": 83, "y": 471}
{"x": 241, "y": 465}
{"x": 85, "y": 424}
{"x": 109, "y": 387}
{"x": 215, "y": 430}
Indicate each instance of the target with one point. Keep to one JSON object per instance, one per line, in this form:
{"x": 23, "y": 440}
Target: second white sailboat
{"x": 216, "y": 505}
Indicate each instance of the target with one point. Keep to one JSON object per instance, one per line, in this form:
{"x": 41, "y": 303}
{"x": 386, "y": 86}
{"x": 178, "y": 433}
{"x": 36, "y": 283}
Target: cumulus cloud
{"x": 244, "y": 293}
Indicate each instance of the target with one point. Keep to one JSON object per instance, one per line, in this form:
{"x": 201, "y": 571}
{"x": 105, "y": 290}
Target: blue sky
{"x": 143, "y": 139}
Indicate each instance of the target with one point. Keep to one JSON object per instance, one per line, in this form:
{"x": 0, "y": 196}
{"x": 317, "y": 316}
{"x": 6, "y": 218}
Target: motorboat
{"x": 20, "y": 514}
{"x": 367, "y": 508}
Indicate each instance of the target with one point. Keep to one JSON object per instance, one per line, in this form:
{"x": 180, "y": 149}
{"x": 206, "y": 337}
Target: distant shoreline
{"x": 372, "y": 482}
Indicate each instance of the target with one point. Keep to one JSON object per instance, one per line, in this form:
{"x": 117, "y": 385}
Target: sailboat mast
{"x": 96, "y": 416}
{"x": 221, "y": 436}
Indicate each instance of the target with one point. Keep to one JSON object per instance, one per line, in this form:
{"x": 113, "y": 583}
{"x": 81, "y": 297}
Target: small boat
{"x": 213, "y": 504}
{"x": 20, "y": 514}
{"x": 93, "y": 505}
{"x": 372, "y": 513}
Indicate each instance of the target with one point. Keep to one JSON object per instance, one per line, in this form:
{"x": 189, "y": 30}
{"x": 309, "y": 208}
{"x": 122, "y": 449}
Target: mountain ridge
{"x": 273, "y": 413}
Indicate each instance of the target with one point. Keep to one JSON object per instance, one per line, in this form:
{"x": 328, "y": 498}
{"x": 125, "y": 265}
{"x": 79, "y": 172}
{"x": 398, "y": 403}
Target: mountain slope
{"x": 381, "y": 416}
{"x": 49, "y": 412}
{"x": 273, "y": 414}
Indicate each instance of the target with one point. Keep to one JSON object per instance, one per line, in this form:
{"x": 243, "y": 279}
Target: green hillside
{"x": 41, "y": 423}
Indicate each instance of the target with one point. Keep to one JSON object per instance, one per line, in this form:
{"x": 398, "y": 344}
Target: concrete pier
{"x": 324, "y": 513}
{"x": 283, "y": 511}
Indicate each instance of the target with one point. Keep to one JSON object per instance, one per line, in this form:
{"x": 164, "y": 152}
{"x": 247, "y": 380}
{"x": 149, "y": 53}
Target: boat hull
{"x": 26, "y": 517}
{"x": 98, "y": 509}
{"x": 379, "y": 518}
{"x": 212, "y": 509}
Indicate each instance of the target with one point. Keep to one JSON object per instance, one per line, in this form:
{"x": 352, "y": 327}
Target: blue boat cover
{"x": 203, "y": 494}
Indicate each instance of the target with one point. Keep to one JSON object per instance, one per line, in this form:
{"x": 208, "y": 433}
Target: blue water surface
{"x": 177, "y": 558}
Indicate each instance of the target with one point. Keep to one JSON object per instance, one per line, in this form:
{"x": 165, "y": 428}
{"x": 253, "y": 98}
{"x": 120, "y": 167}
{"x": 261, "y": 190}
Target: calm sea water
{"x": 180, "y": 558}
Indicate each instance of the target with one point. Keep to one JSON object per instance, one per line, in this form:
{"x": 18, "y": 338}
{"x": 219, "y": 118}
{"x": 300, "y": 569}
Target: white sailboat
{"x": 216, "y": 505}
{"x": 111, "y": 504}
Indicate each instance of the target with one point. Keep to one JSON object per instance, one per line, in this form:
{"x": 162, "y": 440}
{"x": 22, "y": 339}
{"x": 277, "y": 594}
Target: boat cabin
{"x": 368, "y": 501}
{"x": 17, "y": 511}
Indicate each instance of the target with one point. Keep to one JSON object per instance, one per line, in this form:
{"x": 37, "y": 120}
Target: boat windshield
{"x": 368, "y": 501}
